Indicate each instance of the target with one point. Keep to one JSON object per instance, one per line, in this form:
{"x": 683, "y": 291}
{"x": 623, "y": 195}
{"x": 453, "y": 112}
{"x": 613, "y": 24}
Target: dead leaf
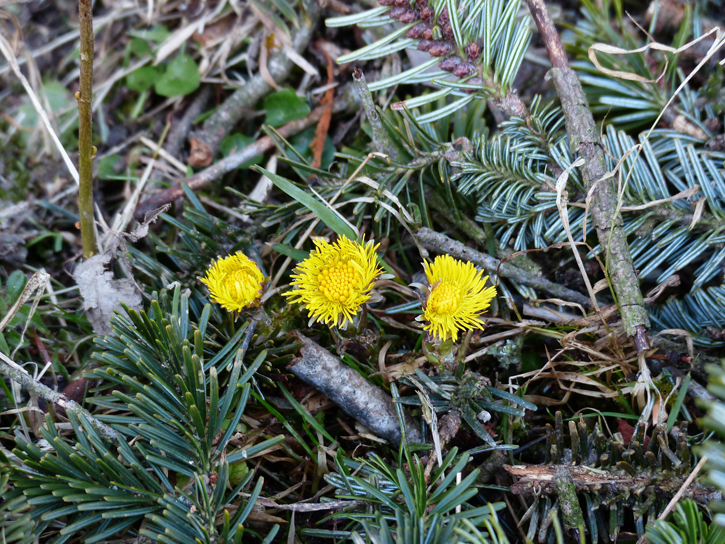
{"x": 143, "y": 229}
{"x": 318, "y": 144}
{"x": 102, "y": 293}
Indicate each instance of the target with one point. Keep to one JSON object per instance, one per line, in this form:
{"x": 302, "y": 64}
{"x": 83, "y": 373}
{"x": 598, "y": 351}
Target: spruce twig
{"x": 585, "y": 140}
{"x": 86, "y": 151}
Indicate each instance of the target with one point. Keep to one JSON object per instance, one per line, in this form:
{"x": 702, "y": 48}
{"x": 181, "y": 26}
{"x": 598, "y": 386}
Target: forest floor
{"x": 396, "y": 271}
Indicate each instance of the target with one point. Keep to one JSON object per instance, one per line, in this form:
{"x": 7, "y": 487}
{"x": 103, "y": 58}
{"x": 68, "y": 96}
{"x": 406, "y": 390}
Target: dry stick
{"x": 584, "y": 137}
{"x": 86, "y": 152}
{"x": 205, "y": 142}
{"x": 15, "y": 372}
{"x": 180, "y": 129}
{"x": 228, "y": 164}
{"x": 492, "y": 265}
{"x": 357, "y": 397}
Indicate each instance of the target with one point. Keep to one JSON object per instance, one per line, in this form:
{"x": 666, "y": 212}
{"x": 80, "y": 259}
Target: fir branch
{"x": 584, "y": 138}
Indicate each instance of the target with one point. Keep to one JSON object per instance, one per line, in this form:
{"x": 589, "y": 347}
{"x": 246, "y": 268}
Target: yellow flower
{"x": 456, "y": 297}
{"x": 235, "y": 282}
{"x": 335, "y": 280}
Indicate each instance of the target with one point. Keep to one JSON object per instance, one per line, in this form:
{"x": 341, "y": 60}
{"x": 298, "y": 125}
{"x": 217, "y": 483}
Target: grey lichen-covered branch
{"x": 357, "y": 397}
{"x": 585, "y": 141}
{"x": 456, "y": 249}
{"x": 205, "y": 142}
{"x": 13, "y": 371}
{"x": 381, "y": 141}
{"x": 546, "y": 480}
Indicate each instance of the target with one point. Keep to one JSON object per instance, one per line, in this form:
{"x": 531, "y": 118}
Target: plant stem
{"x": 585, "y": 140}
{"x": 86, "y": 151}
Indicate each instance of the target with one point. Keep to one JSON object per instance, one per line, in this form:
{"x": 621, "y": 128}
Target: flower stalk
{"x": 86, "y": 151}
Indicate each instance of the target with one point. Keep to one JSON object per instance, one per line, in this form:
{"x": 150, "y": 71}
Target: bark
{"x": 357, "y": 397}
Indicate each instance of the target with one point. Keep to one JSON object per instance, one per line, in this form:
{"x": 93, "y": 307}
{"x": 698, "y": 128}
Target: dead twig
{"x": 584, "y": 137}
{"x": 264, "y": 144}
{"x": 347, "y": 388}
{"x": 494, "y": 266}
{"x": 15, "y": 372}
{"x": 196, "y": 182}
{"x": 543, "y": 479}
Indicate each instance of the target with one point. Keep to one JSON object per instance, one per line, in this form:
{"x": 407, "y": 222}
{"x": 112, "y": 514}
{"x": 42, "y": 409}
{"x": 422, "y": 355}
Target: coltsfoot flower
{"x": 335, "y": 280}
{"x": 235, "y": 282}
{"x": 457, "y": 296}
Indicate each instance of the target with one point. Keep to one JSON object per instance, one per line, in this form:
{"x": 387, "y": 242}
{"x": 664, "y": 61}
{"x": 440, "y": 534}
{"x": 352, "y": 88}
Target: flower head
{"x": 335, "y": 280}
{"x": 235, "y": 282}
{"x": 457, "y": 295}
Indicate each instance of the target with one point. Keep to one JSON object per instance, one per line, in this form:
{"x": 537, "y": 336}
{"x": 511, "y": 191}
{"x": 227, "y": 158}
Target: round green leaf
{"x": 142, "y": 79}
{"x": 284, "y": 106}
{"x": 180, "y": 78}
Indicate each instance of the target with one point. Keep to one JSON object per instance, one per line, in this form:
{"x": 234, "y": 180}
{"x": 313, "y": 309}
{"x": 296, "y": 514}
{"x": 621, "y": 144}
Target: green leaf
{"x": 59, "y": 98}
{"x": 14, "y": 286}
{"x": 140, "y": 47}
{"x": 236, "y": 142}
{"x": 330, "y": 217}
{"x": 284, "y": 106}
{"x": 143, "y": 79}
{"x": 292, "y": 253}
{"x": 4, "y": 345}
{"x": 106, "y": 166}
{"x": 677, "y": 406}
{"x": 180, "y": 78}
{"x": 155, "y": 34}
